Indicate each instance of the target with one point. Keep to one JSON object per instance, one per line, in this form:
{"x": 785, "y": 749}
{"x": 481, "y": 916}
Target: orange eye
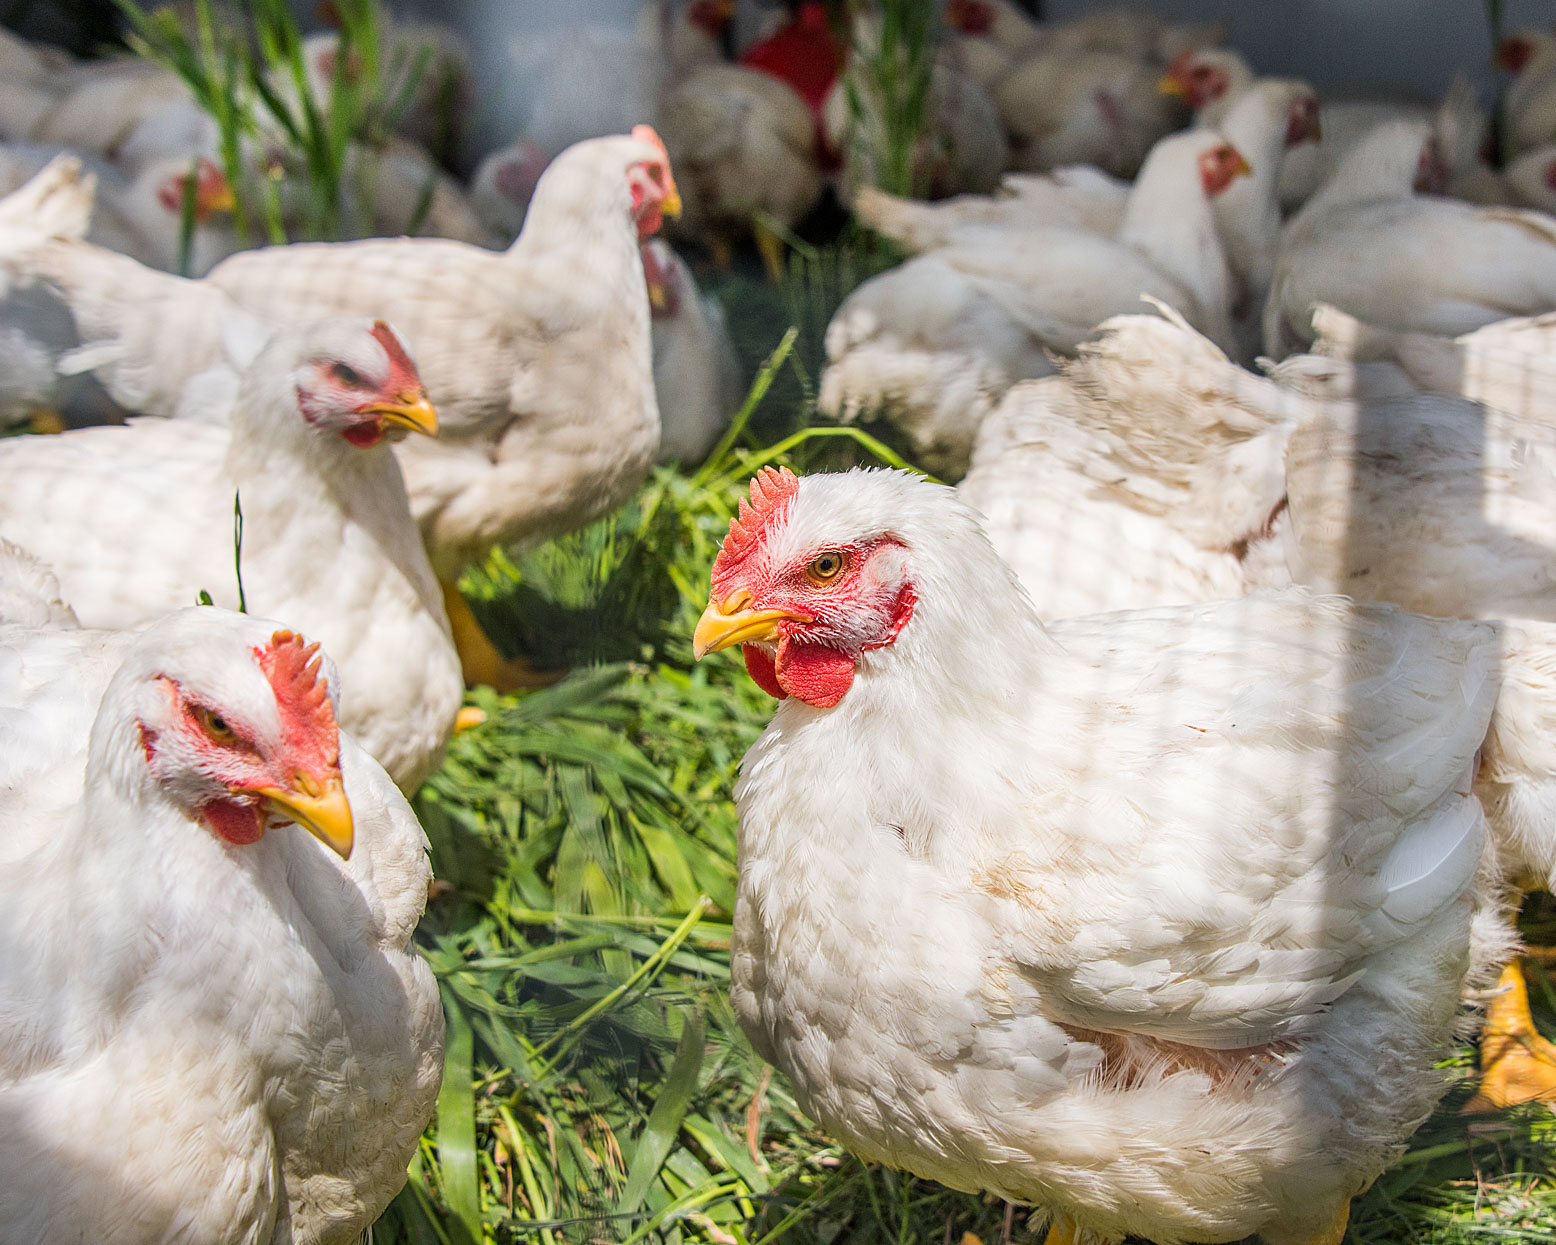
{"x": 214, "y": 725}
{"x": 825, "y": 567}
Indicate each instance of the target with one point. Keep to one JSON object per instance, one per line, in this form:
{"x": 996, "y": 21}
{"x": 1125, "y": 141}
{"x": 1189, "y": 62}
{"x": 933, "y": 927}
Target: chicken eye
{"x": 346, "y": 374}
{"x": 214, "y": 725}
{"x": 825, "y": 567}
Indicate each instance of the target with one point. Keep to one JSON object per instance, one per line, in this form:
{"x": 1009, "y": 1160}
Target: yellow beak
{"x": 1168, "y": 84}
{"x": 670, "y": 205}
{"x": 1242, "y": 168}
{"x": 413, "y": 410}
{"x": 322, "y": 810}
{"x": 725, "y": 623}
{"x": 218, "y": 198}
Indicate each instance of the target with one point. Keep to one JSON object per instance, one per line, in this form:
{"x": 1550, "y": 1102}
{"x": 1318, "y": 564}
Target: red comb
{"x": 293, "y": 667}
{"x": 647, "y": 134}
{"x": 402, "y": 372}
{"x": 772, "y": 489}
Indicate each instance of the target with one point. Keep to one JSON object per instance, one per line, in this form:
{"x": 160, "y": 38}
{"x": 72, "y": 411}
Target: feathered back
{"x": 1208, "y": 435}
{"x": 29, "y": 592}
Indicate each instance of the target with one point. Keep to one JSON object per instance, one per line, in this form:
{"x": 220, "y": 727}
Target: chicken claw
{"x": 1516, "y": 1063}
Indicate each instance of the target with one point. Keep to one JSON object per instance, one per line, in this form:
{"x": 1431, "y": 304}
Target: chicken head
{"x": 803, "y": 601}
{"x": 1302, "y": 121}
{"x": 713, "y": 16}
{"x": 244, "y": 746}
{"x": 1219, "y": 167}
{"x": 969, "y": 17}
{"x": 212, "y": 192}
{"x": 360, "y": 382}
{"x": 1514, "y": 52}
{"x": 1199, "y": 76}
{"x": 654, "y": 195}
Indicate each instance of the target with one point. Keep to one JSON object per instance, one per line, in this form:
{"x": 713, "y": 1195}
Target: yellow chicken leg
{"x": 1335, "y": 1232}
{"x": 1062, "y": 1230}
{"x": 478, "y": 656}
{"x": 1516, "y": 1063}
{"x": 770, "y": 246}
{"x": 45, "y": 420}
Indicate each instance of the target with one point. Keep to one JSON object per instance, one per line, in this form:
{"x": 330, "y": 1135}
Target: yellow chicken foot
{"x": 1062, "y": 1230}
{"x": 1331, "y": 1234}
{"x": 770, "y": 246}
{"x": 1516, "y": 1063}
{"x": 478, "y": 656}
{"x": 45, "y": 420}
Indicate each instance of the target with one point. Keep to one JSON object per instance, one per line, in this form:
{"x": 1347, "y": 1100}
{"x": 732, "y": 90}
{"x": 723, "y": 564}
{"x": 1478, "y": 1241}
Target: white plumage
{"x": 200, "y": 1040}
{"x": 1156, "y": 920}
{"x": 935, "y": 343}
{"x": 137, "y": 521}
{"x": 539, "y": 355}
{"x": 1145, "y": 474}
{"x": 1369, "y": 245}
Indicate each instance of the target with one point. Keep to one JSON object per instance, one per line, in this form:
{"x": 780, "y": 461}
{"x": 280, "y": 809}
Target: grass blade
{"x": 664, "y": 1121}
{"x": 456, "y": 1121}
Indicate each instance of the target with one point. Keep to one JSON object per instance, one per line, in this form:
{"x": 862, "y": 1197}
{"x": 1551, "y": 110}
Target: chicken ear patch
{"x": 813, "y": 673}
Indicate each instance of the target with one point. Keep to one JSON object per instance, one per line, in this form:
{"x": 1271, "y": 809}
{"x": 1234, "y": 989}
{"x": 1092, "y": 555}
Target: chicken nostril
{"x": 736, "y": 600}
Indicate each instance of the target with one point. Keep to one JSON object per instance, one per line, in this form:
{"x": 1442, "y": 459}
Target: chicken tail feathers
{"x": 55, "y": 204}
{"x": 29, "y": 591}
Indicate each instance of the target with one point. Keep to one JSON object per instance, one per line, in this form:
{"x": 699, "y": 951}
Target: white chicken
{"x": 244, "y": 1002}
{"x": 933, "y": 345}
{"x": 1529, "y": 110}
{"x": 1131, "y": 483}
{"x": 1064, "y": 106}
{"x": 1076, "y": 197}
{"x": 540, "y": 354}
{"x": 696, "y": 375}
{"x": 989, "y": 37}
{"x": 1273, "y": 118}
{"x": 1211, "y": 80}
{"x": 1149, "y": 472}
{"x": 137, "y": 521}
{"x": 1164, "y": 916}
{"x": 1368, "y": 244}
{"x": 1506, "y": 365}
{"x": 744, "y": 146}
{"x": 994, "y": 35}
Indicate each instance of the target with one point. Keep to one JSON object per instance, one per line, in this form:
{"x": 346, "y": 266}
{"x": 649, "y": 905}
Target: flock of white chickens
{"x": 1158, "y": 917}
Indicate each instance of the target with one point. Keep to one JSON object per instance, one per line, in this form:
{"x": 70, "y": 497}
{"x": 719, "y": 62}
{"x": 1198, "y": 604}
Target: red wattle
{"x": 364, "y": 436}
{"x": 237, "y": 823}
{"x": 762, "y": 671}
{"x": 818, "y": 675}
